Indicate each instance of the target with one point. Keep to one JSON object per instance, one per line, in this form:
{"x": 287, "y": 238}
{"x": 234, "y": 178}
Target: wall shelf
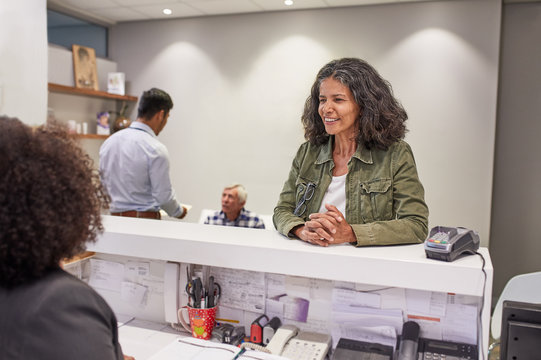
{"x": 82, "y": 106}
{"x": 57, "y": 88}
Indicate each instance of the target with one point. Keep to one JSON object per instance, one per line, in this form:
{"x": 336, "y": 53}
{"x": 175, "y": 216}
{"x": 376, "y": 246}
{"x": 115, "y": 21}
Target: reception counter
{"x": 404, "y": 266}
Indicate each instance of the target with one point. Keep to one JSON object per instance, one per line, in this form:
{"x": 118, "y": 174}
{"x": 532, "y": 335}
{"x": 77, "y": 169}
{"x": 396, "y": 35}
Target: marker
{"x": 239, "y": 353}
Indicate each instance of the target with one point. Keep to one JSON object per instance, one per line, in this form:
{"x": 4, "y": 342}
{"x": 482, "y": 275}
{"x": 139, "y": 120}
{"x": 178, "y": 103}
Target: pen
{"x": 239, "y": 353}
{"x": 210, "y": 293}
{"x": 197, "y": 292}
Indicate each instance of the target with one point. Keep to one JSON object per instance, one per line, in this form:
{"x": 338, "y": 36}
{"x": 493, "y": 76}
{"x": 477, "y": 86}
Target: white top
{"x": 335, "y": 194}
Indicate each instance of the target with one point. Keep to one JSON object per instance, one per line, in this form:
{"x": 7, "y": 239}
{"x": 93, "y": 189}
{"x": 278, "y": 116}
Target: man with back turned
{"x": 134, "y": 164}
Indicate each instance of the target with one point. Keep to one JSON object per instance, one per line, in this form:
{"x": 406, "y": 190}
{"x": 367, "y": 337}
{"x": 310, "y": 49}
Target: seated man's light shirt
{"x": 335, "y": 195}
{"x": 246, "y": 219}
{"x": 134, "y": 167}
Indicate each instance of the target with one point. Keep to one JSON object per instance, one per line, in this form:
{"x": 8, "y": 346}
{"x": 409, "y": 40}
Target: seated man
{"x": 233, "y": 212}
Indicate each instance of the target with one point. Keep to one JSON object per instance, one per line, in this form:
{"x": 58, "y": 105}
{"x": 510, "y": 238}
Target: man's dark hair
{"x": 152, "y": 102}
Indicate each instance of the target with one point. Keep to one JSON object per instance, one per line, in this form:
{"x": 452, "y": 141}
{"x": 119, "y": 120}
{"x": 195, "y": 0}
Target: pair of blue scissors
{"x": 194, "y": 289}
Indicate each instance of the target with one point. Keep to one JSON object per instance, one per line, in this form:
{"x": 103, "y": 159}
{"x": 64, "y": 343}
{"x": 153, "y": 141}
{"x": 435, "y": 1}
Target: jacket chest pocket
{"x": 376, "y": 198}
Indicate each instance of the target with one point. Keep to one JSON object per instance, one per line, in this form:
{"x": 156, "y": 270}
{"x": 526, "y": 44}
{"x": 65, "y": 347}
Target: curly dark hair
{"x": 50, "y": 200}
{"x": 382, "y": 120}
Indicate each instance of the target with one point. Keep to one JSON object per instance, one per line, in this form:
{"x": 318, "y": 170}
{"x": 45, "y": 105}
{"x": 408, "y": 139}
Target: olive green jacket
{"x": 384, "y": 197}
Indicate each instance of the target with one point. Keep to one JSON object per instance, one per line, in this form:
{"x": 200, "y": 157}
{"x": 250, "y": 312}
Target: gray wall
{"x": 239, "y": 83}
{"x": 515, "y": 243}
{"x": 23, "y": 60}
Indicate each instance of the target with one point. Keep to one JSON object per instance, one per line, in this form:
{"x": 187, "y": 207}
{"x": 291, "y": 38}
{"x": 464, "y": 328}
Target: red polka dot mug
{"x": 201, "y": 321}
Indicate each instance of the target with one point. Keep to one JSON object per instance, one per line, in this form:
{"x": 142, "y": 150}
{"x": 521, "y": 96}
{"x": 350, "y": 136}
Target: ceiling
{"x": 110, "y": 12}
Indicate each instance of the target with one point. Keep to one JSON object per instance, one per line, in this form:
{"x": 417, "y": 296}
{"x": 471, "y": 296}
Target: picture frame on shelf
{"x": 84, "y": 67}
{"x": 102, "y": 126}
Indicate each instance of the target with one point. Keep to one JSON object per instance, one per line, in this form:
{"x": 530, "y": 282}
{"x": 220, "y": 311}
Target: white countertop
{"x": 259, "y": 250}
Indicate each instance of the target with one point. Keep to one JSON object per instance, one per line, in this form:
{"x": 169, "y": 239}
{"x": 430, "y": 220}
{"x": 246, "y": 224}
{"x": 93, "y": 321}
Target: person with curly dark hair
{"x": 50, "y": 204}
{"x": 355, "y": 179}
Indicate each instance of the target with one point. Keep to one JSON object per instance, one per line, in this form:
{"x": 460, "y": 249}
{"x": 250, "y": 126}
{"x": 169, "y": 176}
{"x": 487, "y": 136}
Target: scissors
{"x": 194, "y": 289}
{"x": 214, "y": 290}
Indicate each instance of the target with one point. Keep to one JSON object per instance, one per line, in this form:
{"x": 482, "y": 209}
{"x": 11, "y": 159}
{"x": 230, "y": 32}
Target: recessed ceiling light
{"x": 167, "y": 11}
{"x": 288, "y": 2}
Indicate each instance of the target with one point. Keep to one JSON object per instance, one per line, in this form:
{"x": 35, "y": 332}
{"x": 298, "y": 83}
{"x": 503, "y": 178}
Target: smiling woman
{"x": 355, "y": 179}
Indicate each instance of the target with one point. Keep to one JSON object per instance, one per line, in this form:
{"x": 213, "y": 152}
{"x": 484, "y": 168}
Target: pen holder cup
{"x": 201, "y": 321}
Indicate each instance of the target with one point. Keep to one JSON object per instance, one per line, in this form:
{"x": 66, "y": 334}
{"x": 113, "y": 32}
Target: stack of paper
{"x": 358, "y": 316}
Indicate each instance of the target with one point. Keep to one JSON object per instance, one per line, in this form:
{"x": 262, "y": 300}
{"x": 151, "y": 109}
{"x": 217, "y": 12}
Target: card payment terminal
{"x": 448, "y": 243}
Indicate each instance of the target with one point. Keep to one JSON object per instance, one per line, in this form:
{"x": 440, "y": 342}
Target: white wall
{"x": 239, "y": 83}
{"x": 23, "y": 60}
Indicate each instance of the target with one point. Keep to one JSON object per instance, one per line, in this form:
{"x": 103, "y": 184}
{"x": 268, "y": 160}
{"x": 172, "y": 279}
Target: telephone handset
{"x": 281, "y": 337}
{"x": 292, "y": 344}
{"x": 307, "y": 346}
{"x": 289, "y": 343}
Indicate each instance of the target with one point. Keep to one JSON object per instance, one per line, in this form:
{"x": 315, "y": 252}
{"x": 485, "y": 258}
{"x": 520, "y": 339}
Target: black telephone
{"x": 448, "y": 243}
{"x": 437, "y": 349}
{"x": 349, "y": 349}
